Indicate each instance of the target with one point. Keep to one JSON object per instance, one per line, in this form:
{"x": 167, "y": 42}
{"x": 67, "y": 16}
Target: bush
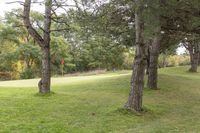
{"x": 27, "y": 74}
{"x": 173, "y": 60}
{"x": 185, "y": 60}
{"x": 5, "y": 76}
{"x": 128, "y": 59}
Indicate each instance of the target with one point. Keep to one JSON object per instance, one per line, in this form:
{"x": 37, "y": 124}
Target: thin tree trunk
{"x": 137, "y": 80}
{"x": 194, "y": 62}
{"x": 153, "y": 67}
{"x": 194, "y": 56}
{"x": 148, "y": 59}
{"x": 164, "y": 64}
{"x": 199, "y": 59}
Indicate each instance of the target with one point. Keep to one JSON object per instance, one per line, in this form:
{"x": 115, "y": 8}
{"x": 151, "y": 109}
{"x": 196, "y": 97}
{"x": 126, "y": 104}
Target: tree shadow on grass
{"x": 45, "y": 94}
{"x": 129, "y": 112}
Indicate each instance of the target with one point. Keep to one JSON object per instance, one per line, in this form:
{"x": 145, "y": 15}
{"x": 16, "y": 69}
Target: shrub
{"x": 5, "y": 76}
{"x": 173, "y": 60}
{"x": 27, "y": 74}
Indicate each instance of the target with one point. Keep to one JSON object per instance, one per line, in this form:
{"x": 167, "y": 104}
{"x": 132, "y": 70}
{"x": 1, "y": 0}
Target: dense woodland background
{"x": 97, "y": 36}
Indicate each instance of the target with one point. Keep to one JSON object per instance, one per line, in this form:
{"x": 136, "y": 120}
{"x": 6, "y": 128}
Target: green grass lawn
{"x": 93, "y": 104}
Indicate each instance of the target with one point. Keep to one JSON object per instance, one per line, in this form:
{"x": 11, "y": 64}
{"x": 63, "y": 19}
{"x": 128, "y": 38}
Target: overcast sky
{"x": 4, "y": 7}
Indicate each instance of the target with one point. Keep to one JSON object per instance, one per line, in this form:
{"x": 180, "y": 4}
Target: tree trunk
{"x": 148, "y": 59}
{"x": 199, "y": 59}
{"x": 137, "y": 80}
{"x": 45, "y": 82}
{"x": 164, "y": 64}
{"x": 194, "y": 56}
{"x": 194, "y": 62}
{"x": 43, "y": 41}
{"x": 153, "y": 66}
{"x": 154, "y": 50}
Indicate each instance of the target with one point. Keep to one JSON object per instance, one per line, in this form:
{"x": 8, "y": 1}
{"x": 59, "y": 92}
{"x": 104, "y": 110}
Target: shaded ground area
{"x": 92, "y": 104}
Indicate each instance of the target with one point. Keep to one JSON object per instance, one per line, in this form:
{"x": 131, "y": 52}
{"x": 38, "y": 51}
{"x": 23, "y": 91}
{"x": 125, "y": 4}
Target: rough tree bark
{"x": 155, "y": 49}
{"x": 194, "y": 56}
{"x": 148, "y": 56}
{"x": 134, "y": 102}
{"x": 199, "y": 59}
{"x": 44, "y": 42}
{"x": 153, "y": 65}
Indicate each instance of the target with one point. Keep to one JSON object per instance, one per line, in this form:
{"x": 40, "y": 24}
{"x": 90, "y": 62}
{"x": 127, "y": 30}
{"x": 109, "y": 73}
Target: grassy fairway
{"x": 92, "y": 104}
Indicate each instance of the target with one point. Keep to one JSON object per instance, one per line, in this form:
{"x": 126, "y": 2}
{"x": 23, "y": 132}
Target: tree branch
{"x": 27, "y": 23}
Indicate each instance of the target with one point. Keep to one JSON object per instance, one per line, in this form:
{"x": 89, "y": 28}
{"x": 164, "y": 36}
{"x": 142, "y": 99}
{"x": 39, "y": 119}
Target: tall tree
{"x": 194, "y": 50}
{"x": 154, "y": 48}
{"x": 153, "y": 63}
{"x": 185, "y": 21}
{"x": 43, "y": 41}
{"x": 137, "y": 80}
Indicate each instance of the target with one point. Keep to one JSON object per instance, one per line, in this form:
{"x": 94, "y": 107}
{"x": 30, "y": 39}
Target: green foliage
{"x": 60, "y": 50}
{"x": 7, "y": 57}
{"x": 128, "y": 60}
{"x": 27, "y": 74}
{"x": 82, "y": 46}
{"x": 89, "y": 48}
{"x": 98, "y": 36}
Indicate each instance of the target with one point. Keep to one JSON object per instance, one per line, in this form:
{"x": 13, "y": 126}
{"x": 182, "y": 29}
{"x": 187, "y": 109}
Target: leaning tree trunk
{"x": 194, "y": 56}
{"x": 137, "y": 80}
{"x": 153, "y": 65}
{"x": 43, "y": 41}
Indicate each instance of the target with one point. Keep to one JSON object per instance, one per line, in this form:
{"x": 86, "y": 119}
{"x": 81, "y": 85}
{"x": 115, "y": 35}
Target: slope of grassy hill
{"x": 93, "y": 104}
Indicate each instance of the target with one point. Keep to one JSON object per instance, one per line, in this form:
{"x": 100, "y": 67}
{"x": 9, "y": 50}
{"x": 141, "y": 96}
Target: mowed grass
{"x": 93, "y": 104}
